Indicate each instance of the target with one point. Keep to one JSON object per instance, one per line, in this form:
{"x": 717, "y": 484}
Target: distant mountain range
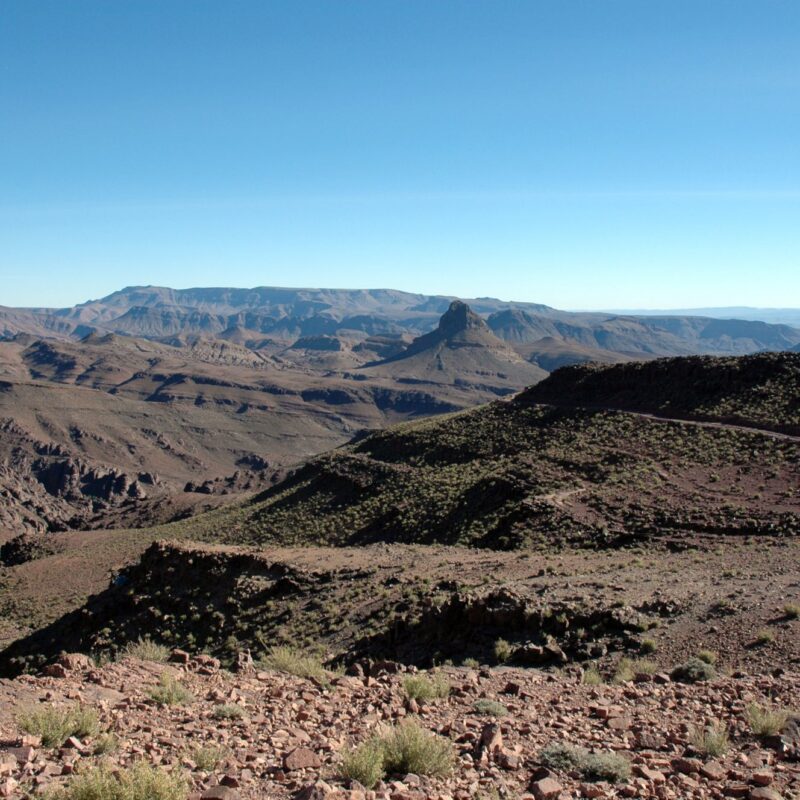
{"x": 272, "y": 319}
{"x": 775, "y": 316}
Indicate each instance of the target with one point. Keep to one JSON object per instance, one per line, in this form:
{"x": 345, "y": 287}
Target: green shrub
{"x": 503, "y": 651}
{"x": 228, "y": 711}
{"x": 791, "y": 610}
{"x": 364, "y": 764}
{"x": 629, "y": 668}
{"x": 592, "y": 677}
{"x": 170, "y": 692}
{"x": 708, "y": 657}
{"x": 711, "y": 741}
{"x": 561, "y": 756}
{"x": 610, "y": 767}
{"x": 472, "y": 663}
{"x": 294, "y": 662}
{"x": 104, "y": 744}
{"x": 764, "y": 637}
{"x": 56, "y": 725}
{"x": 208, "y": 756}
{"x": 140, "y": 782}
{"x": 146, "y": 650}
{"x": 420, "y": 687}
{"x": 648, "y": 646}
{"x": 694, "y": 670}
{"x": 766, "y": 721}
{"x": 489, "y": 708}
{"x": 592, "y": 766}
{"x": 402, "y": 749}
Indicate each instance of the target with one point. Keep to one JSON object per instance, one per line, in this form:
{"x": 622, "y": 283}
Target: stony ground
{"x": 294, "y": 731}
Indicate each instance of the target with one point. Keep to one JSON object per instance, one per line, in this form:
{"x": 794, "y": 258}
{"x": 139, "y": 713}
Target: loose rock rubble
{"x": 289, "y": 741}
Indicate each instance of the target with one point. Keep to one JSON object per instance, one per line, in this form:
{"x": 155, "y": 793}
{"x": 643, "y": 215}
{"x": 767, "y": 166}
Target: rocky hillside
{"x": 522, "y": 474}
{"x": 761, "y": 391}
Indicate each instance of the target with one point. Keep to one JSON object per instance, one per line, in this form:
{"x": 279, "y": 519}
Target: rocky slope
{"x": 265, "y": 734}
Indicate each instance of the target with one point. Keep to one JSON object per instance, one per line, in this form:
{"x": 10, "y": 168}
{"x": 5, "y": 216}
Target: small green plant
{"x": 592, "y": 766}
{"x": 419, "y": 687}
{"x": 364, "y": 764}
{"x": 503, "y": 651}
{"x": 472, "y": 663}
{"x": 693, "y": 671}
{"x": 648, "y": 646}
{"x": 139, "y": 782}
{"x": 765, "y": 637}
{"x": 610, "y": 767}
{"x": 711, "y": 741}
{"x": 228, "y": 711}
{"x": 170, "y": 692}
{"x": 56, "y": 725}
{"x": 561, "y": 756}
{"x": 708, "y": 657}
{"x": 489, "y": 708}
{"x": 146, "y": 650}
{"x": 766, "y": 721}
{"x": 294, "y": 662}
{"x": 592, "y": 677}
{"x": 402, "y": 749}
{"x": 104, "y": 744}
{"x": 207, "y": 757}
{"x": 791, "y": 611}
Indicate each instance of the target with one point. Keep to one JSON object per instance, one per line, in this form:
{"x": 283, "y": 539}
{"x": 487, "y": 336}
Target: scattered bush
{"x": 228, "y": 711}
{"x": 610, "y": 767}
{"x": 489, "y": 708}
{"x": 104, "y": 744}
{"x": 791, "y": 610}
{"x": 562, "y": 757}
{"x": 766, "y": 721}
{"x": 405, "y": 748}
{"x": 708, "y": 657}
{"x": 503, "y": 651}
{"x": 472, "y": 663}
{"x": 648, "y": 646}
{"x": 140, "y": 782}
{"x": 592, "y": 677}
{"x": 420, "y": 687}
{"x": 629, "y": 668}
{"x": 764, "y": 637}
{"x": 56, "y": 725}
{"x": 146, "y": 650}
{"x": 207, "y": 757}
{"x": 294, "y": 662}
{"x": 710, "y": 741}
{"x": 592, "y": 766}
{"x": 170, "y": 692}
{"x": 694, "y": 670}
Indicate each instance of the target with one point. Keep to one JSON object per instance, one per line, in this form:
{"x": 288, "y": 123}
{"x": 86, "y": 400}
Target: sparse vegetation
{"x": 208, "y": 757}
{"x": 421, "y": 687}
{"x": 648, "y": 646}
{"x": 104, "y": 744}
{"x": 708, "y": 657}
{"x": 592, "y": 766}
{"x": 56, "y": 725}
{"x": 401, "y": 749}
{"x": 139, "y": 782}
{"x": 228, "y": 711}
{"x": 170, "y": 692}
{"x": 791, "y": 611}
{"x": 503, "y": 651}
{"x": 693, "y": 671}
{"x": 592, "y": 677}
{"x": 765, "y": 720}
{"x": 146, "y": 650}
{"x": 764, "y": 637}
{"x": 712, "y": 740}
{"x": 293, "y": 661}
{"x": 489, "y": 708}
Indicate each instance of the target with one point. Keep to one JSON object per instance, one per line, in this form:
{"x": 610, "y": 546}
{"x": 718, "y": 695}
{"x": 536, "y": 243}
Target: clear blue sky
{"x": 581, "y": 153}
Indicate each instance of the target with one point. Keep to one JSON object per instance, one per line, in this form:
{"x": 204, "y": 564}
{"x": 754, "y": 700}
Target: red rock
{"x": 763, "y": 793}
{"x": 762, "y": 777}
{"x": 301, "y": 758}
{"x": 546, "y": 789}
{"x": 652, "y": 775}
{"x": 220, "y": 793}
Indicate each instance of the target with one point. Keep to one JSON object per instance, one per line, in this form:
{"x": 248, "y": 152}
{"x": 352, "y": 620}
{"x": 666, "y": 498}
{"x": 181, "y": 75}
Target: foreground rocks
{"x": 292, "y": 732}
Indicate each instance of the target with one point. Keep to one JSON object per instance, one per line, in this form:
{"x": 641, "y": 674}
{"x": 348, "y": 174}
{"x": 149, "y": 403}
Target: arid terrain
{"x": 588, "y": 586}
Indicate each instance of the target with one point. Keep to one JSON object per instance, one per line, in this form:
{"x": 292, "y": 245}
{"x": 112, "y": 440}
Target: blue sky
{"x": 580, "y": 153}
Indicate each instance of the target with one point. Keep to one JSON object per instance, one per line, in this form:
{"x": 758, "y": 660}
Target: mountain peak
{"x": 459, "y": 317}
